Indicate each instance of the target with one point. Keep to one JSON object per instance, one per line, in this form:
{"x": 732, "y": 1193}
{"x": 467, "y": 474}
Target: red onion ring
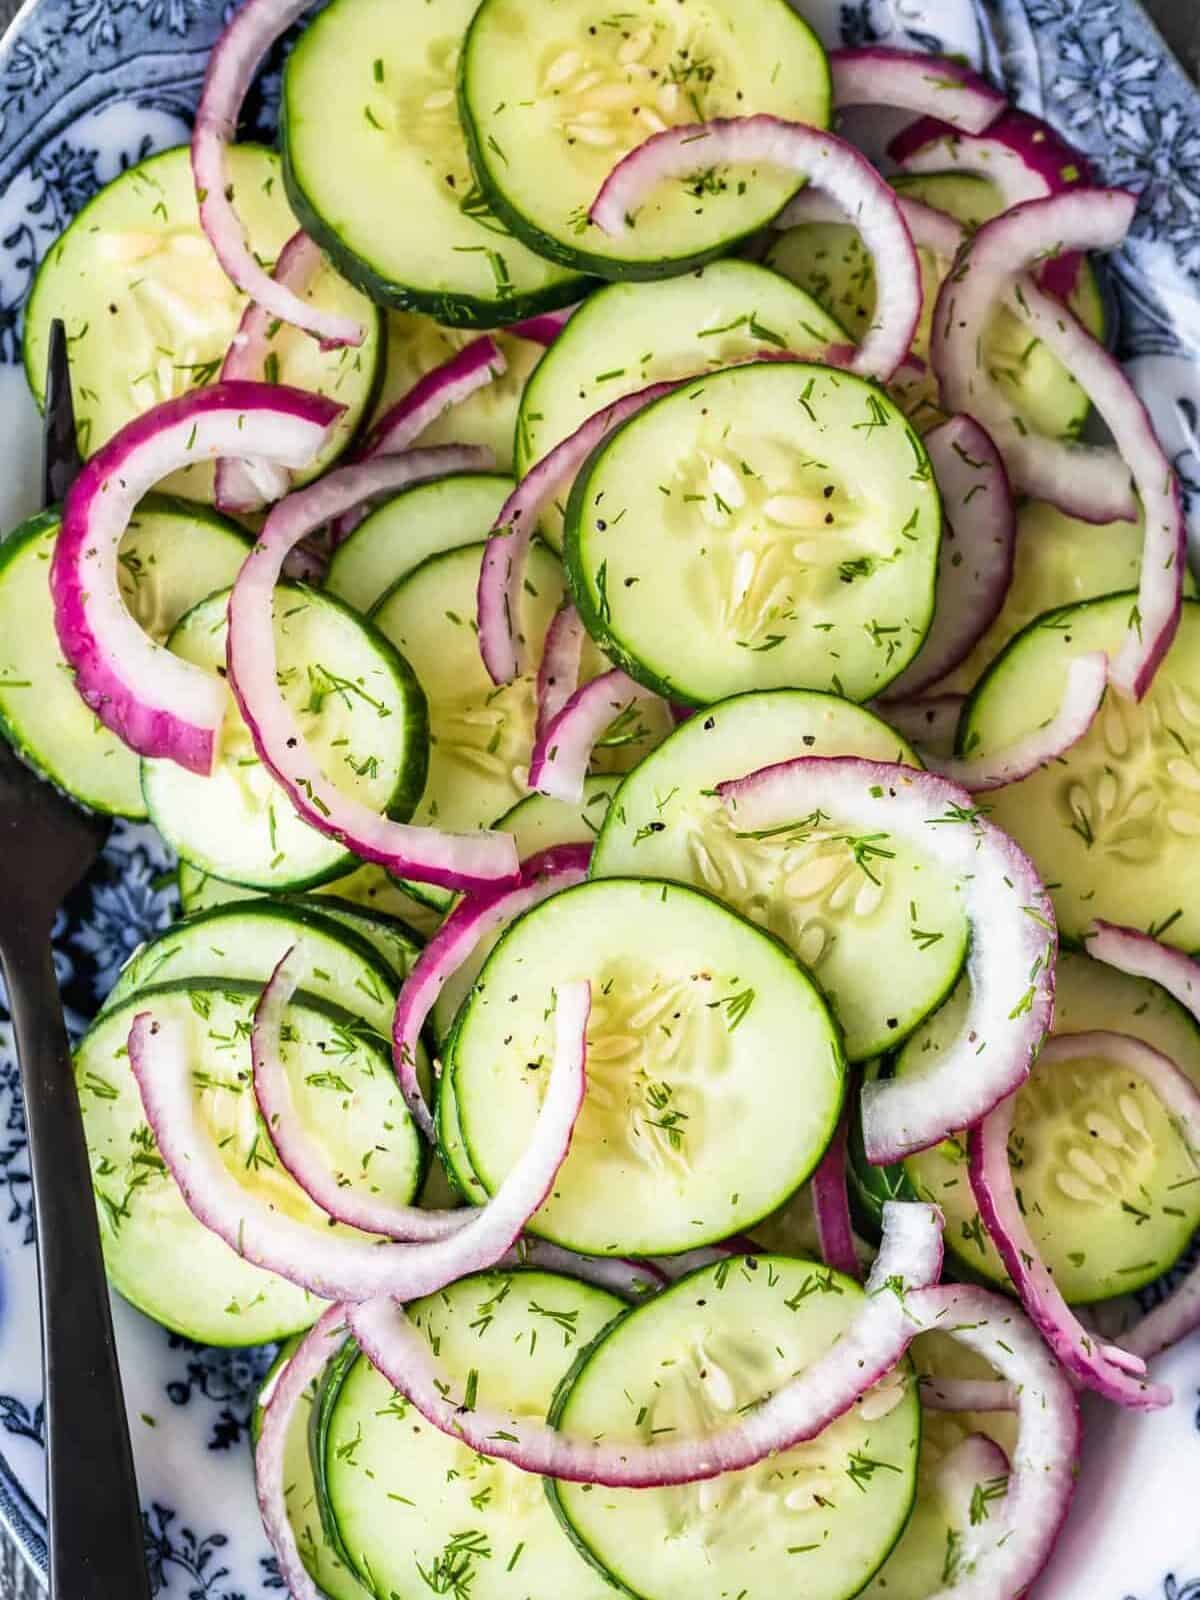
{"x": 1045, "y": 1461}
{"x": 246, "y": 483}
{"x": 992, "y": 1182}
{"x": 333, "y": 1266}
{"x": 929, "y": 228}
{"x": 457, "y": 861}
{"x": 672, "y": 1268}
{"x": 438, "y": 391}
{"x": 502, "y": 572}
{"x": 974, "y": 1462}
{"x": 558, "y": 674}
{"x": 909, "y": 1258}
{"x": 1087, "y": 680}
{"x": 633, "y": 1280}
{"x": 309, "y": 1360}
{"x": 975, "y": 566}
{"x": 296, "y": 1150}
{"x": 1023, "y": 156}
{"x": 232, "y": 66}
{"x": 545, "y": 327}
{"x": 159, "y": 704}
{"x": 828, "y": 163}
{"x": 475, "y": 918}
{"x": 564, "y": 747}
{"x": 831, "y": 1207}
{"x": 1013, "y": 934}
{"x": 1087, "y": 481}
{"x": 928, "y": 723}
{"x": 966, "y": 1394}
{"x": 913, "y": 81}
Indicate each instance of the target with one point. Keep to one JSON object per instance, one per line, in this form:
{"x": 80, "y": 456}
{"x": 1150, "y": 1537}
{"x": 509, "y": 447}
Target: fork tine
{"x": 61, "y": 460}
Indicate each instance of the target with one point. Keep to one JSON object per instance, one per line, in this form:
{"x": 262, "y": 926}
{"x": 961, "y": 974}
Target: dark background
{"x": 1179, "y": 22}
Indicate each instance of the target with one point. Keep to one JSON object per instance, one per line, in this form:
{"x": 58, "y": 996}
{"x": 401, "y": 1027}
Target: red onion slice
{"x": 558, "y": 674}
{"x": 159, "y": 704}
{"x": 929, "y": 723}
{"x": 909, "y": 1257}
{"x": 975, "y": 1464}
{"x": 232, "y": 65}
{"x": 966, "y": 1394}
{"x": 475, "y": 918}
{"x": 1087, "y": 680}
{"x": 929, "y": 228}
{"x": 1155, "y": 617}
{"x": 457, "y": 861}
{"x": 545, "y": 327}
{"x": 992, "y": 1181}
{"x": 633, "y": 1280}
{"x": 502, "y": 573}
{"x": 828, "y": 163}
{"x": 248, "y": 484}
{"x": 672, "y": 1268}
{"x": 298, "y": 1153}
{"x": 337, "y": 1267}
{"x": 1087, "y": 481}
{"x": 831, "y": 1207}
{"x": 309, "y": 1360}
{"x": 1013, "y": 935}
{"x": 975, "y": 565}
{"x": 1021, "y": 1531}
{"x": 932, "y": 85}
{"x": 564, "y": 747}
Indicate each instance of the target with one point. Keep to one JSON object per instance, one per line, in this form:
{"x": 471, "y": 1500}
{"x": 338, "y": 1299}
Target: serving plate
{"x": 88, "y": 87}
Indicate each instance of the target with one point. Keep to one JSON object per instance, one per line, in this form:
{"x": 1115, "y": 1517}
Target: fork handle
{"x": 95, "y": 1532}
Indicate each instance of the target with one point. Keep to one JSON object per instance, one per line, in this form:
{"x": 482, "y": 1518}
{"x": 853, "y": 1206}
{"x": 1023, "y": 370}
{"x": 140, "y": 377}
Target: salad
{"x": 659, "y": 635}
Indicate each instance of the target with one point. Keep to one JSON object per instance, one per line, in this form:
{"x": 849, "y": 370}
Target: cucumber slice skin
{"x": 488, "y": 1323}
{"x": 161, "y": 187}
{"x": 665, "y": 822}
{"x": 391, "y": 938}
{"x": 367, "y": 889}
{"x": 455, "y": 307}
{"x": 1125, "y": 1246}
{"x": 54, "y": 732}
{"x": 614, "y": 622}
{"x": 628, "y": 1556}
{"x": 1133, "y": 869}
{"x": 695, "y": 942}
{"x": 217, "y": 1298}
{"x": 422, "y": 521}
{"x": 205, "y": 946}
{"x": 170, "y": 793}
{"x": 616, "y": 263}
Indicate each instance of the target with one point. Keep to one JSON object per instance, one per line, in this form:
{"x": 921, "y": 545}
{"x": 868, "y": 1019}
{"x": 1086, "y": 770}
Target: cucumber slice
{"x": 831, "y": 263}
{"x": 1059, "y": 561}
{"x": 418, "y": 522}
{"x": 451, "y": 1146}
{"x": 369, "y": 90}
{"x": 536, "y": 823}
{"x": 825, "y": 1513}
{"x": 730, "y": 536}
{"x": 368, "y": 886}
{"x": 628, "y": 335}
{"x": 150, "y": 312}
{"x": 249, "y": 940}
{"x": 1106, "y": 1180}
{"x": 883, "y": 936}
{"x": 172, "y": 557}
{"x": 364, "y": 716}
{"x": 321, "y": 1561}
{"x": 1114, "y": 822}
{"x": 419, "y": 1512}
{"x": 389, "y": 937}
{"x": 700, "y": 1021}
{"x": 416, "y": 344}
{"x": 569, "y": 91}
{"x": 158, "y": 1256}
{"x": 481, "y": 736}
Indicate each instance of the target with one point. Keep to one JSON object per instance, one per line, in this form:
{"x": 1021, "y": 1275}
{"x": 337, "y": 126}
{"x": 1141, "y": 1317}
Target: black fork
{"x": 47, "y": 844}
